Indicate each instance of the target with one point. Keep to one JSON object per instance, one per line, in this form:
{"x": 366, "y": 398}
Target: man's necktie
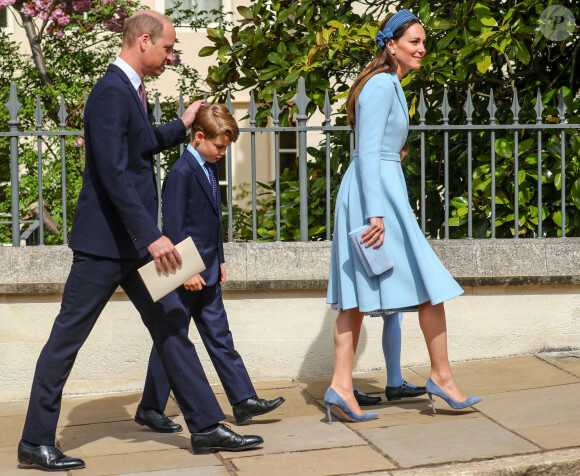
{"x": 143, "y": 96}
{"x": 212, "y": 181}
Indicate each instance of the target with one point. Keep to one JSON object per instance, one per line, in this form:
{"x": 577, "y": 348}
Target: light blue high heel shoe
{"x": 334, "y": 399}
{"x": 434, "y": 389}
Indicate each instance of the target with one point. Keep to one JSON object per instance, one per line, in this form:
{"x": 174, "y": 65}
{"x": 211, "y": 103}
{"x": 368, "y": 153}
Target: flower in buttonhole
{"x": 176, "y": 59}
{"x": 80, "y": 141}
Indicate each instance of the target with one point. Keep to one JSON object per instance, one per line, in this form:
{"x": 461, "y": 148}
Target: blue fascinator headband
{"x": 398, "y": 19}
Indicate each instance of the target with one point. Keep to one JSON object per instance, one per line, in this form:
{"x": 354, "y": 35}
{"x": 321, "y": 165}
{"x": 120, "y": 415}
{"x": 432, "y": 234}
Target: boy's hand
{"x": 195, "y": 283}
{"x": 222, "y": 273}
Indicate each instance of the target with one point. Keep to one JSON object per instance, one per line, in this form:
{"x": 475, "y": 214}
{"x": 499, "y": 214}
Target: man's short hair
{"x": 141, "y": 23}
{"x": 214, "y": 121}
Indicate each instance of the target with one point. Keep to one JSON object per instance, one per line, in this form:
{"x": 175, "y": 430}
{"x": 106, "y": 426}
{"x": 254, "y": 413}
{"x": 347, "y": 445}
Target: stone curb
{"x": 549, "y": 463}
{"x": 282, "y": 265}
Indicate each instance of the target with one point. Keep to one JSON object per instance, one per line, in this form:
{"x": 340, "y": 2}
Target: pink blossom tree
{"x": 39, "y": 18}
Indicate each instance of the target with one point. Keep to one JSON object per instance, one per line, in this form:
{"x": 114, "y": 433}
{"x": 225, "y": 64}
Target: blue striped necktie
{"x": 212, "y": 181}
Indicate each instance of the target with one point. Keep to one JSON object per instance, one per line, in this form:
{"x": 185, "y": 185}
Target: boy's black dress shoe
{"x": 47, "y": 457}
{"x": 222, "y": 438}
{"x": 365, "y": 400}
{"x": 157, "y": 421}
{"x": 403, "y": 391}
{"x": 254, "y": 406}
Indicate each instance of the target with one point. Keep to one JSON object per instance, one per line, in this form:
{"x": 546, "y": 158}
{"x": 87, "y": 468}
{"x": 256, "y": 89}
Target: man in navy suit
{"x": 114, "y": 233}
{"x": 192, "y": 208}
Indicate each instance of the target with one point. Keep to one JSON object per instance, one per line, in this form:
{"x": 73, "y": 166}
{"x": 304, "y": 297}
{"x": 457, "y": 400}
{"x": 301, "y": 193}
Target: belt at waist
{"x": 389, "y": 156}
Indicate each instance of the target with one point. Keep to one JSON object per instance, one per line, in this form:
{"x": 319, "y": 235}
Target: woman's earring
{"x": 392, "y": 52}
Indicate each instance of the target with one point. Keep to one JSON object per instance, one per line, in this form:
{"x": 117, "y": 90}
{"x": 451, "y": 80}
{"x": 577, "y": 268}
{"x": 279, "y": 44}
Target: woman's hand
{"x": 375, "y": 233}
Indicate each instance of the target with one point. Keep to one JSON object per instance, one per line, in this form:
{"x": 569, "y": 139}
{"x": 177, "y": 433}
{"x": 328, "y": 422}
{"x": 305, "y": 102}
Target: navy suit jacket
{"x": 189, "y": 210}
{"x": 117, "y": 208}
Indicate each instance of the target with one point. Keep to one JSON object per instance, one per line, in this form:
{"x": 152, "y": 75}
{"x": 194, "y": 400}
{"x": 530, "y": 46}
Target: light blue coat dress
{"x": 374, "y": 186}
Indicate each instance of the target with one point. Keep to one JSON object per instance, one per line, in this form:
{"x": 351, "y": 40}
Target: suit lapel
{"x": 201, "y": 177}
{"x": 137, "y": 100}
{"x": 402, "y": 98}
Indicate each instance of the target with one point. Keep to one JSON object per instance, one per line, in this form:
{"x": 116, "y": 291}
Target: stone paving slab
{"x": 129, "y": 463}
{"x": 13, "y": 408}
{"x": 265, "y": 385}
{"x": 440, "y": 442}
{"x": 551, "y": 463}
{"x": 297, "y": 403}
{"x": 411, "y": 412}
{"x": 322, "y": 462}
{"x": 9, "y": 464}
{"x": 11, "y": 430}
{"x": 531, "y": 404}
{"x": 201, "y": 471}
{"x": 299, "y": 434}
{"x": 370, "y": 383}
{"x": 114, "y": 438}
{"x": 550, "y": 417}
{"x": 483, "y": 377}
{"x": 568, "y": 361}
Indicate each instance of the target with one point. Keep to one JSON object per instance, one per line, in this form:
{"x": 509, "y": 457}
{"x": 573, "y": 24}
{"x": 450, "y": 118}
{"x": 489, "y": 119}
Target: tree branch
{"x": 36, "y": 49}
{"x": 34, "y": 42}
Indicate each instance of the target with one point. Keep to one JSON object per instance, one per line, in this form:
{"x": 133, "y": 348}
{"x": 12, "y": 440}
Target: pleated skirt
{"x": 417, "y": 275}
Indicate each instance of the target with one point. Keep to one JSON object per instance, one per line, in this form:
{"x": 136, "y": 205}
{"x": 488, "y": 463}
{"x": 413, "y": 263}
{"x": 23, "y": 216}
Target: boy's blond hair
{"x": 214, "y": 121}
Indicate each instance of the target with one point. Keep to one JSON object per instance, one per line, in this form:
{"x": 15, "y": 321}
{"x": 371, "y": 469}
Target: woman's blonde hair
{"x": 214, "y": 121}
{"x": 384, "y": 62}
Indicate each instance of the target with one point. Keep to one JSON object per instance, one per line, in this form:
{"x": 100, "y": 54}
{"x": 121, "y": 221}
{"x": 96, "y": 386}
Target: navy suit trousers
{"x": 91, "y": 283}
{"x": 207, "y": 310}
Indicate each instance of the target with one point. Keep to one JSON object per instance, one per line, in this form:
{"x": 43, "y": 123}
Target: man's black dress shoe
{"x": 49, "y": 458}
{"x": 251, "y": 407}
{"x": 404, "y": 391}
{"x": 222, "y": 438}
{"x": 365, "y": 400}
{"x": 157, "y": 421}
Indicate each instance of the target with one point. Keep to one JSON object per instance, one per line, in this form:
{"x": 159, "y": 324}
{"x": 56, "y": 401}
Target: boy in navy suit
{"x": 192, "y": 207}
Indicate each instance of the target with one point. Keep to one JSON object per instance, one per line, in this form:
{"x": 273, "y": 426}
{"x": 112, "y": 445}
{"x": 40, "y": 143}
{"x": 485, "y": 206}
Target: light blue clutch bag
{"x": 374, "y": 260}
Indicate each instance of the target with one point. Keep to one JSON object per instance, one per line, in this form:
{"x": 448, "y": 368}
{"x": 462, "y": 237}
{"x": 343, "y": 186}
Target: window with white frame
{"x": 197, "y": 5}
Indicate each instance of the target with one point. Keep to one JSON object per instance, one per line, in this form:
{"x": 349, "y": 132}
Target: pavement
{"x": 527, "y": 424}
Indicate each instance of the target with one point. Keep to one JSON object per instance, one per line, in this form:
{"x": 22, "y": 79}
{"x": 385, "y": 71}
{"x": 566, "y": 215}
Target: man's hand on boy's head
{"x": 195, "y": 283}
{"x": 190, "y": 113}
{"x": 222, "y": 273}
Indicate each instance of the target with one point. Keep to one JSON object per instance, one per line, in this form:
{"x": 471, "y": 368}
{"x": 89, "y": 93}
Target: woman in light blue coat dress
{"x": 373, "y": 192}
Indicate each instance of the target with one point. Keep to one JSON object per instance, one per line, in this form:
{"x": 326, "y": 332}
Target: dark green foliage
{"x": 471, "y": 45}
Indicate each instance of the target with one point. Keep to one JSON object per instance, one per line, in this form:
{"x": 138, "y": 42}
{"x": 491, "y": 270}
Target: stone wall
{"x": 520, "y": 296}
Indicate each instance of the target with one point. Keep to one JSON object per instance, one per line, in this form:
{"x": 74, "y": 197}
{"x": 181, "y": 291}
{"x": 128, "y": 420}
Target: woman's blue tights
{"x": 392, "y": 349}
